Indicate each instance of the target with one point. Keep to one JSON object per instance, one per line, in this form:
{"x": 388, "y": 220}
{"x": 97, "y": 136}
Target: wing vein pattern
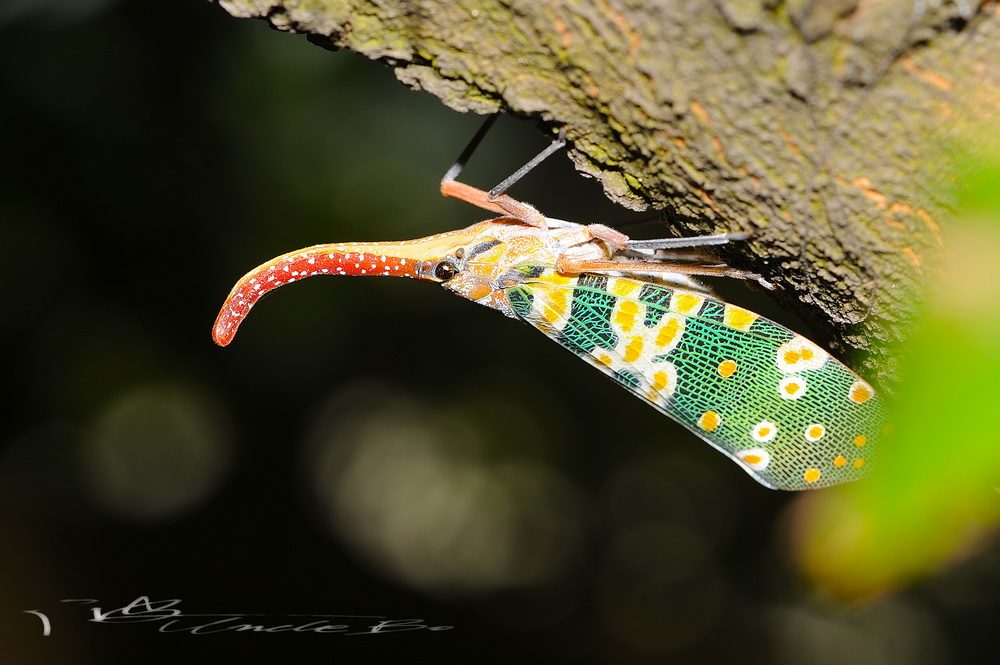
{"x": 780, "y": 406}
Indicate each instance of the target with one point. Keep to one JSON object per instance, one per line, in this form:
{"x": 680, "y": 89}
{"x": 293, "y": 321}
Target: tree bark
{"x": 827, "y": 128}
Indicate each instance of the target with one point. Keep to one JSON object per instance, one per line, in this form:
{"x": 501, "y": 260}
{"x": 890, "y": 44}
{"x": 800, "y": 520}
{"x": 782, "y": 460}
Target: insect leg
{"x": 495, "y": 200}
{"x": 459, "y": 190}
{"x": 557, "y": 144}
{"x": 620, "y": 241}
{"x": 613, "y": 237}
{"x": 576, "y": 266}
{"x": 687, "y": 243}
{"x": 452, "y": 173}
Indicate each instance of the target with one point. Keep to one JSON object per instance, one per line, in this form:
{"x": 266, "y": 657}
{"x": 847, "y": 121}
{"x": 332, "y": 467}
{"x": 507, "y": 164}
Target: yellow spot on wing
{"x": 792, "y": 387}
{"x": 664, "y": 382}
{"x": 709, "y": 421}
{"x": 858, "y": 463}
{"x": 556, "y": 305}
{"x": 799, "y": 354}
{"x": 623, "y": 287}
{"x": 668, "y": 334}
{"x": 738, "y": 318}
{"x": 683, "y": 302}
{"x": 764, "y": 431}
{"x": 633, "y": 350}
{"x": 811, "y": 475}
{"x": 815, "y": 432}
{"x": 659, "y": 380}
{"x": 840, "y": 460}
{"x": 755, "y": 458}
{"x": 625, "y": 315}
{"x": 860, "y": 441}
{"x": 860, "y": 392}
{"x": 794, "y": 356}
{"x": 727, "y": 368}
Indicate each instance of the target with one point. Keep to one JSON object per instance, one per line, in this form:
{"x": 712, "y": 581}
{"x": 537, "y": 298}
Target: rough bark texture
{"x": 823, "y": 126}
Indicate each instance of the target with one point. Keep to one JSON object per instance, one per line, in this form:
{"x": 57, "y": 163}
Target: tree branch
{"x": 823, "y": 126}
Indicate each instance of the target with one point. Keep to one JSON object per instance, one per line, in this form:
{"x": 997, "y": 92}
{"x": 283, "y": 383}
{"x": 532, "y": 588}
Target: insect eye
{"x": 445, "y": 270}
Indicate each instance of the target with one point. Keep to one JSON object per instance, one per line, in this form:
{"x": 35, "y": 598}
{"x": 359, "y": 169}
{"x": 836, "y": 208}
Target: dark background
{"x": 365, "y": 447}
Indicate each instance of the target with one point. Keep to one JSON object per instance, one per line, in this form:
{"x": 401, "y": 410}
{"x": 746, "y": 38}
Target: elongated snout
{"x": 412, "y": 258}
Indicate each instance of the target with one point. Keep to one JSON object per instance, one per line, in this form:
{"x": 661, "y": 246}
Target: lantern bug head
{"x": 478, "y": 263}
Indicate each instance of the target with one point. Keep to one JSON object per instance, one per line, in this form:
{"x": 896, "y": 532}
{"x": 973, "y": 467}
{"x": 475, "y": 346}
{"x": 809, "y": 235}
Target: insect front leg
{"x": 503, "y": 204}
{"x": 496, "y": 199}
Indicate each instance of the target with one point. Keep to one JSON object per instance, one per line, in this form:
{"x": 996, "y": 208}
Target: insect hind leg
{"x": 688, "y": 243}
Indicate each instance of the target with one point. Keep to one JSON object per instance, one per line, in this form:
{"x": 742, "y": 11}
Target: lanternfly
{"x": 776, "y": 403}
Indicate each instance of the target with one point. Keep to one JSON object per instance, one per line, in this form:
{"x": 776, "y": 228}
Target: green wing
{"x": 781, "y": 407}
